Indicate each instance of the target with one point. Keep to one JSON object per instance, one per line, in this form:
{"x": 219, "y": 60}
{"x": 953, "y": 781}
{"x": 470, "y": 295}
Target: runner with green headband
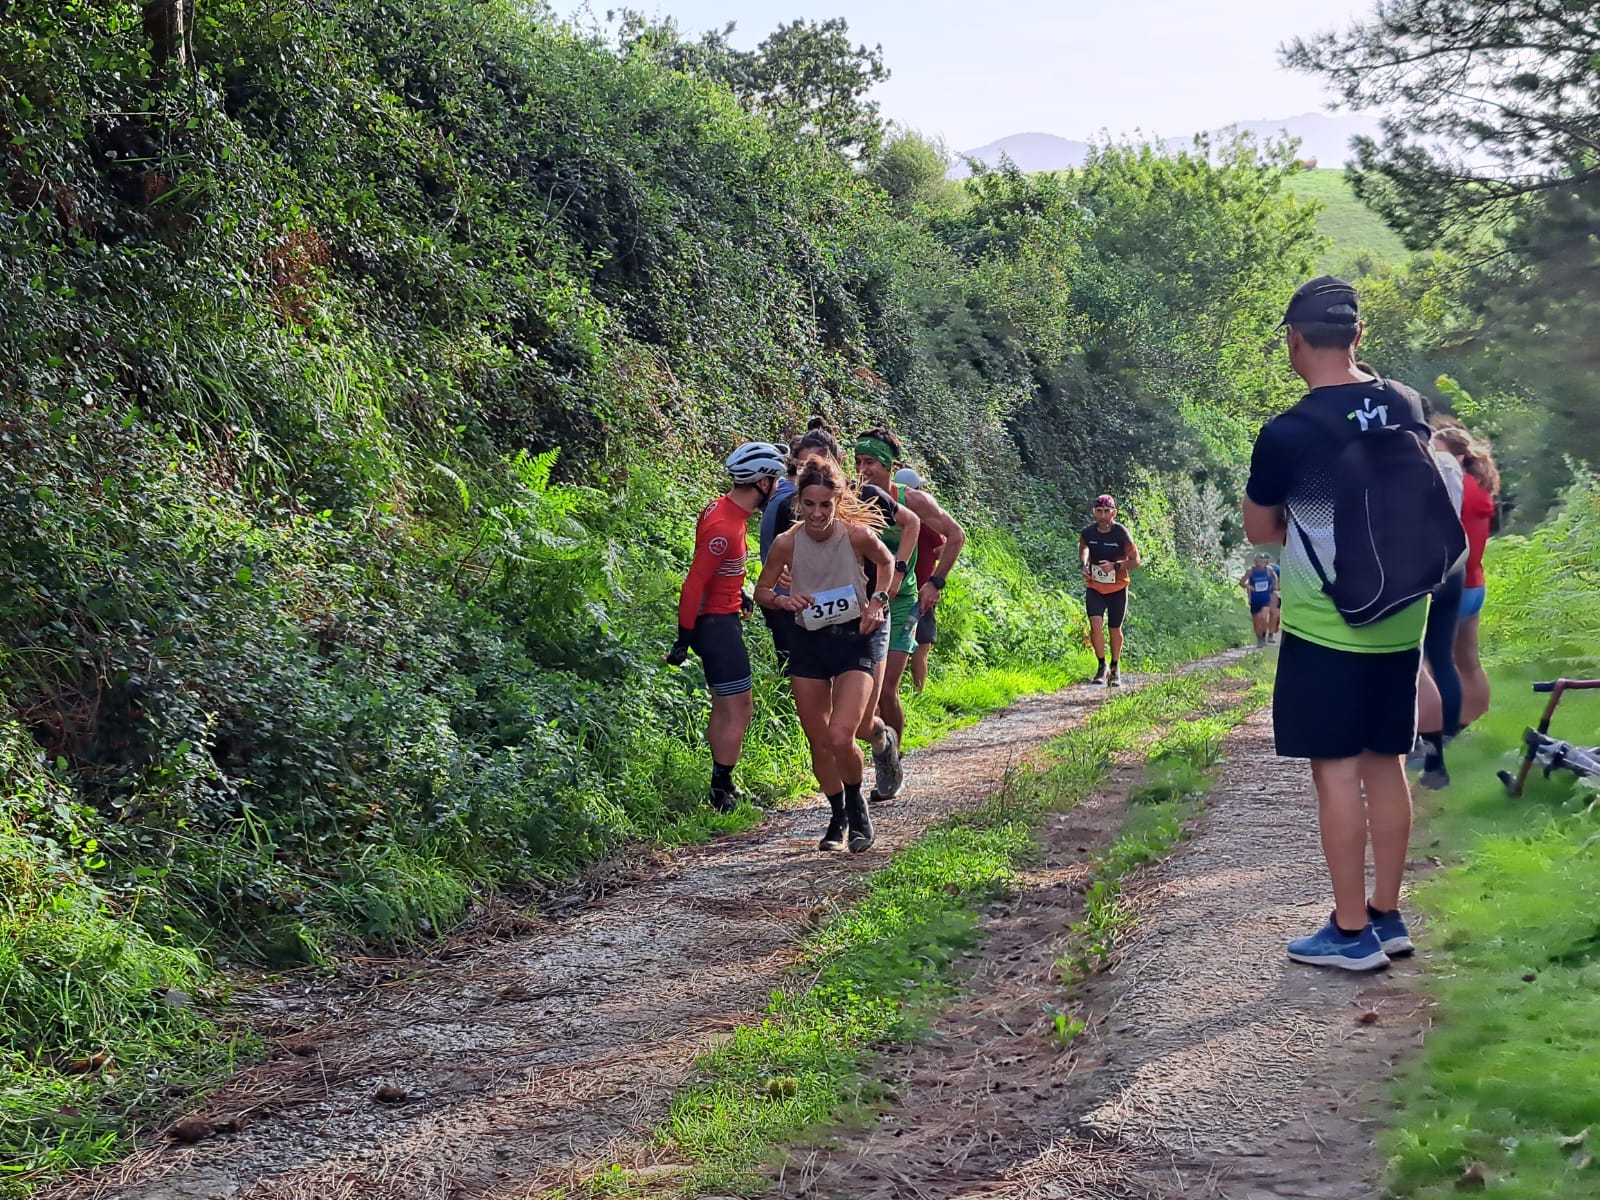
{"x": 876, "y": 452}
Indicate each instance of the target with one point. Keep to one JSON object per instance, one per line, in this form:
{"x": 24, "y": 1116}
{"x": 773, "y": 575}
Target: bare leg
{"x": 919, "y": 666}
{"x": 852, "y": 692}
{"x": 730, "y": 717}
{"x": 889, "y": 706}
{"x": 872, "y": 725}
{"x": 1430, "y": 710}
{"x": 1276, "y": 619}
{"x": 1097, "y": 636}
{"x": 1342, "y": 819}
{"x": 1116, "y": 644}
{"x": 1389, "y": 818}
{"x": 813, "y": 701}
{"x": 1474, "y": 679}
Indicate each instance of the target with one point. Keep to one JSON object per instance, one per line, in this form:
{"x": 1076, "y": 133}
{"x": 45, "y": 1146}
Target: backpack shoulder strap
{"x": 1320, "y": 416}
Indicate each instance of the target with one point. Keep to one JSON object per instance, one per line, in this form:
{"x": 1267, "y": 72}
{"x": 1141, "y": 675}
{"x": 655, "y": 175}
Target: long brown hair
{"x": 847, "y": 506}
{"x": 1474, "y": 454}
{"x": 816, "y": 437}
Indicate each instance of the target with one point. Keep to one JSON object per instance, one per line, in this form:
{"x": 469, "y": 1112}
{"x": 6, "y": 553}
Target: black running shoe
{"x": 1099, "y": 675}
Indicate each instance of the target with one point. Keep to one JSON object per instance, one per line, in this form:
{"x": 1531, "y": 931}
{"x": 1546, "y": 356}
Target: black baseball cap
{"x": 1325, "y": 300}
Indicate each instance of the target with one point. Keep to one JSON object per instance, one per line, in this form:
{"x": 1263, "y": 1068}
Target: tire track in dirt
{"x": 1213, "y": 1067}
{"x": 529, "y": 1058}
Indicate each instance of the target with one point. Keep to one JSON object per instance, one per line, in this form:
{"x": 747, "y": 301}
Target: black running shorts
{"x": 928, "y": 627}
{"x": 824, "y": 654}
{"x": 1330, "y": 703}
{"x": 719, "y": 641}
{"x": 1113, "y": 606}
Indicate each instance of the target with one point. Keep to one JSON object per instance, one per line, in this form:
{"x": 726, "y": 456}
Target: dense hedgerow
{"x": 358, "y": 390}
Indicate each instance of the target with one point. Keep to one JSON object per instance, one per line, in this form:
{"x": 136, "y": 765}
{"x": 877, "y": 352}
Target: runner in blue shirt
{"x": 1260, "y": 583}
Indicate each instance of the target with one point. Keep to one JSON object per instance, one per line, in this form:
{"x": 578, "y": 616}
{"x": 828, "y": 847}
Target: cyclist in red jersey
{"x": 713, "y": 605}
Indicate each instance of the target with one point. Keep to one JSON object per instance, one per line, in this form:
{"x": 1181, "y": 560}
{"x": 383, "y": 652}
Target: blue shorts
{"x": 1472, "y": 601}
{"x": 1259, "y": 602}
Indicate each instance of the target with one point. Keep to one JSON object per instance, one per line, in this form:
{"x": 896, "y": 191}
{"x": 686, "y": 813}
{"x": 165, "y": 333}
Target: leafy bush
{"x": 1542, "y": 588}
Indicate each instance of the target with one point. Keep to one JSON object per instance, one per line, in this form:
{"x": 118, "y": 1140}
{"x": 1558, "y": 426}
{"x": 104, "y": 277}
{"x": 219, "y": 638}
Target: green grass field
{"x": 1507, "y": 1076}
{"x": 1351, "y": 226}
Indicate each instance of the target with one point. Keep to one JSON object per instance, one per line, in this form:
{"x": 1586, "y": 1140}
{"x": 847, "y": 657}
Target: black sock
{"x": 1102, "y": 663}
{"x": 1433, "y": 755}
{"x": 1374, "y": 914}
{"x": 852, "y": 793}
{"x": 836, "y": 801}
{"x": 1345, "y": 933}
{"x": 721, "y": 778}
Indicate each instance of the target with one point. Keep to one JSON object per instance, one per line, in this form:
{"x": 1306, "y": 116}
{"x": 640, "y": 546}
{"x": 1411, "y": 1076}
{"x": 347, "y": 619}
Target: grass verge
{"x": 878, "y": 970}
{"x": 1177, "y": 777}
{"x": 1507, "y": 1076}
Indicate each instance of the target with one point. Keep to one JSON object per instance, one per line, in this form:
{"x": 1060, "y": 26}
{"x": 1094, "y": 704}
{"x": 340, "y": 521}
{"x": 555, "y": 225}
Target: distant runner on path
{"x": 1107, "y": 553}
{"x": 712, "y": 607}
{"x": 1260, "y": 584}
{"x": 836, "y": 655}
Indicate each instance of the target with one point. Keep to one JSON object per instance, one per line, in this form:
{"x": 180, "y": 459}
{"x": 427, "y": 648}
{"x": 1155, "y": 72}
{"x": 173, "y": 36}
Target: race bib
{"x": 1101, "y": 573}
{"x": 1262, "y": 585}
{"x": 832, "y": 607}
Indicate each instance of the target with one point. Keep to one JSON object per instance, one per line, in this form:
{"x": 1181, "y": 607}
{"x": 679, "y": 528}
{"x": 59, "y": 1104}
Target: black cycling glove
{"x": 679, "y": 654}
{"x": 747, "y": 604}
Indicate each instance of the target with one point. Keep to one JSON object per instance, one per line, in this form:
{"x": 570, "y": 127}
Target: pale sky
{"x": 973, "y": 72}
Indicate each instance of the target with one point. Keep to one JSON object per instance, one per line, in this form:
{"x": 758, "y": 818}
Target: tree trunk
{"x": 165, "y": 24}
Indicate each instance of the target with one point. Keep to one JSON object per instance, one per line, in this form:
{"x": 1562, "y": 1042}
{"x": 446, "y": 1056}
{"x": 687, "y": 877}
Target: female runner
{"x": 836, "y": 657}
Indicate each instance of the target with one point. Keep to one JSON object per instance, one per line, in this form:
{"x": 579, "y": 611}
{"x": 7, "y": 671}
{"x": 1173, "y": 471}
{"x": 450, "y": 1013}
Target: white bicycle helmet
{"x": 758, "y": 460}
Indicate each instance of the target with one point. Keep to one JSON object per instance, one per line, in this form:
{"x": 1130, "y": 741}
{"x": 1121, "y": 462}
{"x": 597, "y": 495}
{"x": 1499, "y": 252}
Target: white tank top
{"x": 826, "y": 565}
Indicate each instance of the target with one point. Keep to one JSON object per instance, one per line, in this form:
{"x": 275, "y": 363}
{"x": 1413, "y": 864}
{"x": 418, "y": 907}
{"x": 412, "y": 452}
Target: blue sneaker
{"x": 1392, "y": 932}
{"x": 1330, "y": 948}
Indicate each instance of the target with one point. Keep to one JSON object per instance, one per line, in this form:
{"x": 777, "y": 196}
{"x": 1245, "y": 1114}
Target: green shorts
{"x": 903, "y": 624}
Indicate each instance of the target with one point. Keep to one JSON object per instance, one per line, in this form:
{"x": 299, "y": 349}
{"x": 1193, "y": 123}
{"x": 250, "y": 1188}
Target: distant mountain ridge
{"x": 1323, "y": 137}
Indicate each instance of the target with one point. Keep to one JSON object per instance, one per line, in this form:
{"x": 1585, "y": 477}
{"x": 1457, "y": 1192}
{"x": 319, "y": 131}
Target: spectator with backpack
{"x": 1344, "y": 480}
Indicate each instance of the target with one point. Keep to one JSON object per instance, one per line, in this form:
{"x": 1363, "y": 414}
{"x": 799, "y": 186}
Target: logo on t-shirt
{"x": 1372, "y": 415}
{"x": 719, "y": 545}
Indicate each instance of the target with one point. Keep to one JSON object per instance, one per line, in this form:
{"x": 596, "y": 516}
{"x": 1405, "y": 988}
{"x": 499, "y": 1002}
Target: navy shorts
{"x": 928, "y": 627}
{"x": 719, "y": 642}
{"x": 1329, "y": 703}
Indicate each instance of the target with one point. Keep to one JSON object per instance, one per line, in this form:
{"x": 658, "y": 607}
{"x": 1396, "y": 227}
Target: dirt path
{"x": 514, "y": 1066}
{"x": 1213, "y": 1067}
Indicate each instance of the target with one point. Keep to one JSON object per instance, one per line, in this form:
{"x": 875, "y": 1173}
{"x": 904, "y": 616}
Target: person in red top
{"x": 712, "y": 606}
{"x": 1480, "y": 489}
{"x": 929, "y": 543}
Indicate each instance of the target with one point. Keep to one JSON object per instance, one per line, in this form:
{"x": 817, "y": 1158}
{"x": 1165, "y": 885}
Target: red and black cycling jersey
{"x": 715, "y": 583}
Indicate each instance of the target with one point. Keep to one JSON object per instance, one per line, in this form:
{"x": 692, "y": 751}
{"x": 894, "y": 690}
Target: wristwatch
{"x": 937, "y": 581}
{"x": 901, "y": 568}
{"x": 881, "y": 597}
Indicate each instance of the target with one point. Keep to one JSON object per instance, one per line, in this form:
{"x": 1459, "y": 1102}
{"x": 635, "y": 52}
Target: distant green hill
{"x": 1350, "y": 225}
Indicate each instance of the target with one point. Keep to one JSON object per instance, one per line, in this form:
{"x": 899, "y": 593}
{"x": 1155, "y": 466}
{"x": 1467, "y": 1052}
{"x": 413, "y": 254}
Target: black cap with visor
{"x": 1325, "y": 300}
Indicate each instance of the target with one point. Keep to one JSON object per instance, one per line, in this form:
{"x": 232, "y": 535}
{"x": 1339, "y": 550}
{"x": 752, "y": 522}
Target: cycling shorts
{"x": 1113, "y": 606}
{"x": 719, "y": 642}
